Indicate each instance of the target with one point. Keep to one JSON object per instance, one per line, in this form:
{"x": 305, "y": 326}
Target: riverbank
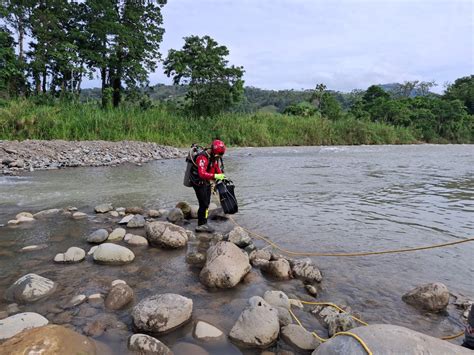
{"x": 30, "y": 155}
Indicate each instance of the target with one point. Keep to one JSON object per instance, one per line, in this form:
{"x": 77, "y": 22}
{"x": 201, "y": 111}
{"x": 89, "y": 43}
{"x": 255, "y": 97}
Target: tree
{"x": 11, "y": 75}
{"x": 213, "y": 85}
{"x": 462, "y": 89}
{"x": 330, "y": 107}
{"x": 374, "y": 92}
{"x": 317, "y": 95}
{"x": 304, "y": 109}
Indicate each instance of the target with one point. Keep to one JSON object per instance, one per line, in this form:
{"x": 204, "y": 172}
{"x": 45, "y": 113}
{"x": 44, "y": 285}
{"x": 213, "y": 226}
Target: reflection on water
{"x": 332, "y": 199}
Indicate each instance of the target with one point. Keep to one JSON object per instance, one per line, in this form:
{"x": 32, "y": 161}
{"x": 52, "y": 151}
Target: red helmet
{"x": 218, "y": 147}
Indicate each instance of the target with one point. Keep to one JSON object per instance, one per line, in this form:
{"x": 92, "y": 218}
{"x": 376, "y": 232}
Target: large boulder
{"x": 97, "y": 236}
{"x": 72, "y": 255}
{"x": 239, "y": 237}
{"x": 298, "y": 337}
{"x": 432, "y": 297}
{"x": 109, "y": 253}
{"x": 145, "y": 344}
{"x": 257, "y": 326}
{"x": 166, "y": 235}
{"x": 119, "y": 296}
{"x": 13, "y": 325}
{"x": 388, "y": 339}
{"x": 30, "y": 288}
{"x": 162, "y": 312}
{"x": 52, "y": 339}
{"x": 226, "y": 265}
{"x": 305, "y": 270}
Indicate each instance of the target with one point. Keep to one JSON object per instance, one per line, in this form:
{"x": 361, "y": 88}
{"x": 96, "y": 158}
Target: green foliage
{"x": 213, "y": 86}
{"x": 330, "y": 107}
{"x": 373, "y": 93}
{"x": 11, "y": 76}
{"x": 462, "y": 89}
{"x": 303, "y": 109}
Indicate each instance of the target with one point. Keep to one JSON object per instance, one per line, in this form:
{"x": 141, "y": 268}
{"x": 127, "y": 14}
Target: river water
{"x": 322, "y": 199}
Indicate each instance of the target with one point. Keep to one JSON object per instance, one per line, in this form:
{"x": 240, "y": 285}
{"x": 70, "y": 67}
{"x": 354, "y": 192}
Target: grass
{"x": 22, "y": 119}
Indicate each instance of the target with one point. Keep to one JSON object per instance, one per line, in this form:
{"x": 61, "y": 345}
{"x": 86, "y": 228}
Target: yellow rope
{"x": 450, "y": 337}
{"x": 289, "y": 252}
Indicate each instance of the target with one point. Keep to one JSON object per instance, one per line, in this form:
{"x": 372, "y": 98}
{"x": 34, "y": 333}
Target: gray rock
{"x": 117, "y": 234}
{"x": 92, "y": 250}
{"x": 134, "y": 210}
{"x": 239, "y": 237}
{"x": 279, "y": 269}
{"x": 206, "y": 332}
{"x": 225, "y": 267}
{"x": 166, "y": 235}
{"x": 47, "y": 213}
{"x": 79, "y": 215}
{"x": 196, "y": 258}
{"x": 284, "y": 316}
{"x": 138, "y": 221}
{"x": 175, "y": 215}
{"x": 340, "y": 322}
{"x": 388, "y": 339}
{"x": 194, "y": 212}
{"x": 126, "y": 219}
{"x": 103, "y": 208}
{"x": 30, "y": 288}
{"x": 306, "y": 271}
{"x": 257, "y": 326}
{"x": 184, "y": 348}
{"x": 312, "y": 290}
{"x": 98, "y": 236}
{"x": 147, "y": 345}
{"x": 76, "y": 301}
{"x": 299, "y": 338}
{"x": 154, "y": 214}
{"x": 135, "y": 240}
{"x": 72, "y": 255}
{"x": 13, "y": 325}
{"x": 277, "y": 299}
{"x": 185, "y": 208}
{"x": 119, "y": 296}
{"x": 162, "y": 312}
{"x": 12, "y": 308}
{"x": 432, "y": 297}
{"x": 34, "y": 247}
{"x": 109, "y": 253}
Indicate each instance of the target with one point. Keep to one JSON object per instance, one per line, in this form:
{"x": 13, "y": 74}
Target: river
{"x": 324, "y": 199}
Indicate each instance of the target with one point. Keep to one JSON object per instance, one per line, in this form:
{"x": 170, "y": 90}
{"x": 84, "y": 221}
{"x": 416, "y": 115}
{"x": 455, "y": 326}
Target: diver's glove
{"x": 219, "y": 176}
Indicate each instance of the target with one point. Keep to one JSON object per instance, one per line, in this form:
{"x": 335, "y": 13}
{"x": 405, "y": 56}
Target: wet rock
{"x": 260, "y": 254}
{"x": 75, "y": 301}
{"x": 312, "y": 290}
{"x": 63, "y": 318}
{"x": 196, "y": 258}
{"x": 34, "y": 247}
{"x": 184, "y": 348}
{"x": 305, "y": 270}
{"x": 103, "y": 208}
{"x": 212, "y": 206}
{"x": 3, "y": 314}
{"x": 432, "y": 297}
{"x": 260, "y": 263}
{"x": 138, "y": 221}
{"x": 334, "y": 320}
{"x": 13, "y": 325}
{"x": 79, "y": 215}
{"x": 13, "y": 222}
{"x": 206, "y": 332}
{"x": 279, "y": 269}
{"x": 239, "y": 237}
{"x": 87, "y": 312}
{"x": 257, "y": 326}
{"x": 95, "y": 298}
{"x": 118, "y": 282}
{"x": 250, "y": 248}
{"x": 92, "y": 250}
{"x": 163, "y": 212}
{"x": 117, "y": 234}
{"x": 114, "y": 214}
{"x": 298, "y": 337}
{"x": 24, "y": 219}
{"x": 218, "y": 215}
{"x": 126, "y": 219}
{"x": 277, "y": 299}
{"x": 72, "y": 255}
{"x": 154, "y": 214}
{"x": 120, "y": 209}
{"x": 166, "y": 235}
{"x": 225, "y": 267}
{"x": 12, "y": 308}
{"x": 47, "y": 213}
{"x": 30, "y": 288}
{"x": 402, "y": 341}
{"x": 24, "y": 214}
{"x": 185, "y": 208}
{"x": 135, "y": 240}
{"x": 98, "y": 236}
{"x": 134, "y": 210}
{"x": 145, "y": 344}
{"x": 284, "y": 316}
{"x": 175, "y": 215}
{"x": 105, "y": 322}
{"x": 162, "y": 312}
{"x": 119, "y": 296}
{"x": 194, "y": 212}
{"x": 109, "y": 253}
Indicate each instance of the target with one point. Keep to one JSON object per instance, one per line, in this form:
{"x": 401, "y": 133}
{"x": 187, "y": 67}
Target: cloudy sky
{"x": 286, "y": 44}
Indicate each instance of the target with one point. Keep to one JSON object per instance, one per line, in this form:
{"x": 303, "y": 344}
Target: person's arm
{"x": 202, "y": 163}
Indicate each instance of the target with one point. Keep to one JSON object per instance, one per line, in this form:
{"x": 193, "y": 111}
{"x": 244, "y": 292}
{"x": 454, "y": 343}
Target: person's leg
{"x": 203, "y": 194}
{"x": 469, "y": 332}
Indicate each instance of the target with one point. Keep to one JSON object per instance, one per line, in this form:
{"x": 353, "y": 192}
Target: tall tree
{"x": 213, "y": 85}
{"x": 11, "y": 74}
{"x": 462, "y": 89}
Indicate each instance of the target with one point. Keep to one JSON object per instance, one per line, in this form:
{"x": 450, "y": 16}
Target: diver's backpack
{"x": 227, "y": 196}
{"x": 191, "y": 163}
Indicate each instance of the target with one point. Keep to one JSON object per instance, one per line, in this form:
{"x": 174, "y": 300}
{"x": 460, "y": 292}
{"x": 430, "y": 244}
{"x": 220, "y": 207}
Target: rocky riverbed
{"x": 97, "y": 308}
{"x": 30, "y": 155}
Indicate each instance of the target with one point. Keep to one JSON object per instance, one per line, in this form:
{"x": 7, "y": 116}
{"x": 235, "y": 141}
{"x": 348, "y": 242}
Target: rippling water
{"x": 325, "y": 199}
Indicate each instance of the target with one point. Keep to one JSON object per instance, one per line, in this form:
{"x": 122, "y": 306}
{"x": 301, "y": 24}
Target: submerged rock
{"x": 279, "y": 269}
{"x": 134, "y": 210}
{"x": 175, "y": 215}
{"x": 162, "y": 312}
{"x": 135, "y": 240}
{"x": 119, "y": 296}
{"x": 97, "y": 236}
{"x": 305, "y": 270}
{"x": 79, "y": 215}
{"x": 13, "y": 325}
{"x": 117, "y": 234}
{"x": 47, "y": 213}
{"x": 109, "y": 253}
{"x": 239, "y": 237}
{"x": 145, "y": 344}
{"x": 206, "y": 332}
{"x": 225, "y": 267}
{"x": 34, "y": 247}
{"x": 185, "y": 208}
{"x": 126, "y": 219}
{"x": 103, "y": 208}
{"x": 298, "y": 337}
{"x": 137, "y": 221}
{"x": 30, "y": 288}
{"x": 73, "y": 254}
{"x": 166, "y": 235}
{"x": 432, "y": 297}
{"x": 24, "y": 214}
{"x": 388, "y": 339}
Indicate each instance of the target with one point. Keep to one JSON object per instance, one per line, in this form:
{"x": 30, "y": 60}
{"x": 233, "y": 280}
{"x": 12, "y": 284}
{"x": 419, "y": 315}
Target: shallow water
{"x": 331, "y": 199}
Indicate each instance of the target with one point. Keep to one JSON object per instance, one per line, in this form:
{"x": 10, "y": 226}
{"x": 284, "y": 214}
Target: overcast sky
{"x": 295, "y": 44}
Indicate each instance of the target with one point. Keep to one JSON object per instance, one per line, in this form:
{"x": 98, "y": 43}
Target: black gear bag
{"x": 227, "y": 196}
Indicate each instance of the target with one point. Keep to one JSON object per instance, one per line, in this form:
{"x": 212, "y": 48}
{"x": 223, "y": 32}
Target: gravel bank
{"x": 30, "y": 155}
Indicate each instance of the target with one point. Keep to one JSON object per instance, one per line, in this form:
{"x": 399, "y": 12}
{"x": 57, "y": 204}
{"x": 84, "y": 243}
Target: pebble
{"x": 118, "y": 282}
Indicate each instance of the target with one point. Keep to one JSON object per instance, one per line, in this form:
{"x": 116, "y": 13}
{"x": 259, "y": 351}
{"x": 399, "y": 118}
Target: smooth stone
{"x": 30, "y": 288}
{"x": 239, "y": 237}
{"x": 103, "y": 208}
{"x": 117, "y": 234}
{"x": 34, "y": 247}
{"x": 313, "y": 291}
{"x": 166, "y": 235}
{"x": 120, "y": 209}
{"x": 72, "y": 255}
{"x": 284, "y": 316}
{"x": 432, "y": 297}
{"x": 47, "y": 213}
{"x": 76, "y": 301}
{"x": 185, "y": 209}
{"x": 279, "y": 269}
{"x": 12, "y": 222}
{"x": 145, "y": 344}
{"x": 194, "y": 212}
{"x": 13, "y": 325}
{"x": 206, "y": 332}
{"x": 154, "y": 214}
{"x": 138, "y": 221}
{"x": 79, "y": 215}
{"x": 119, "y": 296}
{"x": 92, "y": 250}
{"x": 94, "y": 298}
{"x": 135, "y": 240}
{"x": 24, "y": 219}
{"x": 118, "y": 282}
{"x": 184, "y": 348}
{"x": 24, "y": 214}
{"x": 298, "y": 337}
{"x": 277, "y": 299}
{"x": 114, "y": 213}
{"x": 126, "y": 219}
{"x": 97, "y": 236}
{"x": 162, "y": 312}
{"x": 109, "y": 253}
{"x": 175, "y": 215}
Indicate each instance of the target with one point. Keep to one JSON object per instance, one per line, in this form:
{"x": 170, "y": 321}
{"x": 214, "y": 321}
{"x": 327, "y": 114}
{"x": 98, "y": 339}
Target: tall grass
{"x": 23, "y": 119}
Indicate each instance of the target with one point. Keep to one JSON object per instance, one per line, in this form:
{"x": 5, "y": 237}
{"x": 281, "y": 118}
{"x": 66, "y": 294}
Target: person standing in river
{"x": 208, "y": 167}
{"x": 469, "y": 332}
